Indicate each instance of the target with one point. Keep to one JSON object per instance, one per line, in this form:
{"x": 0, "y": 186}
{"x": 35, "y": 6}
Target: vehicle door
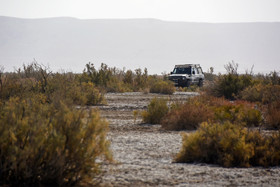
{"x": 195, "y": 75}
{"x": 200, "y": 73}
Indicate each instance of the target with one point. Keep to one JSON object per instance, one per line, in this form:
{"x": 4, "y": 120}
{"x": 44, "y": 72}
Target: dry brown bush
{"x": 187, "y": 117}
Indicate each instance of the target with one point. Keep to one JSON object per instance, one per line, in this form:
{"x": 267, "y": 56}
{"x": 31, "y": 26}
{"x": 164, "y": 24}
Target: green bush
{"x": 231, "y": 84}
{"x": 163, "y": 87}
{"x": 230, "y": 145}
{"x": 156, "y": 110}
{"x": 47, "y": 144}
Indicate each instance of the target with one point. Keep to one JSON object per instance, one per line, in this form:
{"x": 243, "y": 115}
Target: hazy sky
{"x": 173, "y": 10}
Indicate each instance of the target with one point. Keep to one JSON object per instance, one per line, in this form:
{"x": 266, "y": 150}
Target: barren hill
{"x": 69, "y": 43}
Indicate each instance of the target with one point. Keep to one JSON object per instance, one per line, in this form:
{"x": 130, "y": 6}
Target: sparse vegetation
{"x": 225, "y": 138}
{"x": 115, "y": 80}
{"x": 44, "y": 138}
{"x": 50, "y": 144}
{"x": 230, "y": 84}
{"x": 156, "y": 110}
{"x": 37, "y": 79}
{"x": 163, "y": 87}
{"x": 205, "y": 108}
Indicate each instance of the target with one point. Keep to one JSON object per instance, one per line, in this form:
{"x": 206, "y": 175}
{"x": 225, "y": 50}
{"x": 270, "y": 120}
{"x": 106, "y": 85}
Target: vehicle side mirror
{"x": 171, "y": 72}
{"x": 193, "y": 72}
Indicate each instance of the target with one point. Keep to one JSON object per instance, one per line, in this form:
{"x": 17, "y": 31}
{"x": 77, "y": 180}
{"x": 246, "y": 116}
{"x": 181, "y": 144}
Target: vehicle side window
{"x": 194, "y": 70}
{"x": 199, "y": 70}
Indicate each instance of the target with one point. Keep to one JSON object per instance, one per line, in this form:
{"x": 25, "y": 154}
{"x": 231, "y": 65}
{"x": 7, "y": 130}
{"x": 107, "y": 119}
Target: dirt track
{"x": 144, "y": 152}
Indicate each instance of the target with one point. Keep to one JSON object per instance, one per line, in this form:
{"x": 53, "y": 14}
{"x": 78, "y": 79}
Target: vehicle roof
{"x": 186, "y": 65}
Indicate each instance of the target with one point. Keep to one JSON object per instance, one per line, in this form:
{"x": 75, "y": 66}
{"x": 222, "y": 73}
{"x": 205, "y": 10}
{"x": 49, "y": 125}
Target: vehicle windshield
{"x": 182, "y": 70}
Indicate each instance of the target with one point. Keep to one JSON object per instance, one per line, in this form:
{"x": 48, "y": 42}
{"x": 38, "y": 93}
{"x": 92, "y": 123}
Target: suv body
{"x": 187, "y": 74}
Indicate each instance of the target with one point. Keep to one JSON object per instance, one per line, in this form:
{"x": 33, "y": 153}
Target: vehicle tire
{"x": 200, "y": 83}
{"x": 187, "y": 84}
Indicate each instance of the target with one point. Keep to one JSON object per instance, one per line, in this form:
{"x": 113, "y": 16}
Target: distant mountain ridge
{"x": 70, "y": 43}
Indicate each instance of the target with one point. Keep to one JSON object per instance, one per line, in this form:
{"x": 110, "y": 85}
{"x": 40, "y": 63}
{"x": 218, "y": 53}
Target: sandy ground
{"x": 144, "y": 153}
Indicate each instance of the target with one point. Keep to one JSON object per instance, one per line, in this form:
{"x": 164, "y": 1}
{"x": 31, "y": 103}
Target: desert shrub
{"x": 252, "y": 93}
{"x": 252, "y": 117}
{"x": 163, "y": 87}
{"x": 242, "y": 114}
{"x": 231, "y": 84}
{"x": 99, "y": 77}
{"x": 115, "y": 80}
{"x": 209, "y": 101}
{"x": 264, "y": 94}
{"x": 271, "y": 93}
{"x": 36, "y": 79}
{"x": 230, "y": 145}
{"x": 106, "y": 78}
{"x": 155, "y": 112}
{"x": 272, "y": 115}
{"x": 10, "y": 86}
{"x": 218, "y": 144}
{"x": 266, "y": 148}
{"x": 204, "y": 108}
{"x": 32, "y": 79}
{"x": 91, "y": 94}
{"x": 186, "y": 117}
{"x": 229, "y": 113}
{"x": 128, "y": 77}
{"x": 48, "y": 144}
{"x": 64, "y": 86}
{"x": 141, "y": 78}
{"x": 118, "y": 86}
{"x": 274, "y": 78}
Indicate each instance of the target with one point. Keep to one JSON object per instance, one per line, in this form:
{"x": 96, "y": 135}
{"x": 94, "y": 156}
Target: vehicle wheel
{"x": 187, "y": 84}
{"x": 200, "y": 83}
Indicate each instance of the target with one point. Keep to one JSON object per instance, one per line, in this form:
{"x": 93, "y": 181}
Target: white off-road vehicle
{"x": 187, "y": 74}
